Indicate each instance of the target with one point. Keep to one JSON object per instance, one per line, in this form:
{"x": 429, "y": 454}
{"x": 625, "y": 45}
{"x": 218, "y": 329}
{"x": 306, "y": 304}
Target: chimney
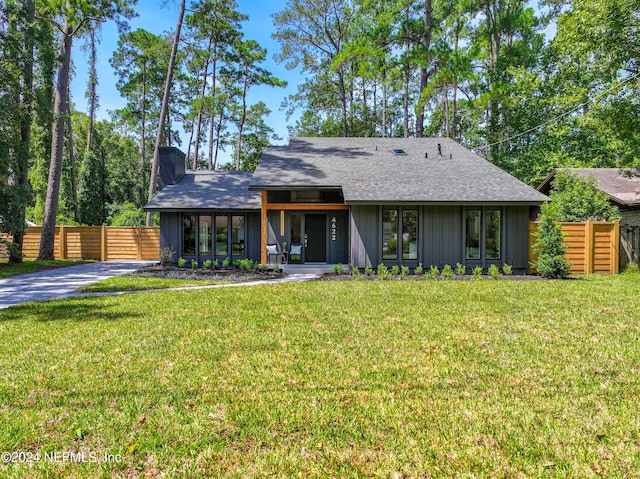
{"x": 171, "y": 166}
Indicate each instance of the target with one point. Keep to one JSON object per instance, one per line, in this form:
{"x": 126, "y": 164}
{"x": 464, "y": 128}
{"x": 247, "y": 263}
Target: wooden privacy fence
{"x": 101, "y": 243}
{"x": 590, "y": 247}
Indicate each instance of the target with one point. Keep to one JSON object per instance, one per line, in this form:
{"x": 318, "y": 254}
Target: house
{"x": 621, "y": 185}
{"x": 356, "y": 201}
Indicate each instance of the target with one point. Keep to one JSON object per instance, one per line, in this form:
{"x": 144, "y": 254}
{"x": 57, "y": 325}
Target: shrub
{"x": 166, "y": 256}
{"x": 507, "y": 269}
{"x": 460, "y": 269}
{"x": 15, "y": 255}
{"x": 355, "y": 272}
{"x": 631, "y": 268}
{"x": 194, "y": 264}
{"x": 395, "y": 270}
{"x": 432, "y": 272}
{"x": 550, "y": 247}
{"x": 207, "y": 264}
{"x": 418, "y": 269}
{"x": 477, "y": 272}
{"x": 338, "y": 268}
{"x": 182, "y": 262}
{"x": 447, "y": 272}
{"x": 404, "y": 271}
{"x": 493, "y": 271}
{"x": 368, "y": 271}
{"x": 215, "y": 264}
{"x": 225, "y": 263}
{"x": 383, "y": 272}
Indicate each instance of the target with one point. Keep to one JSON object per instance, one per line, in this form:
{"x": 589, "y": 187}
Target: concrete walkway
{"x": 63, "y": 282}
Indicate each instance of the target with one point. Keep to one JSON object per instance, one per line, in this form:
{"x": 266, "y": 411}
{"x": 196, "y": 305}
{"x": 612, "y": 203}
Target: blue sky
{"x": 156, "y": 17}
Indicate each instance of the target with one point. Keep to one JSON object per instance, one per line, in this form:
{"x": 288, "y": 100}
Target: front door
{"x": 315, "y": 238}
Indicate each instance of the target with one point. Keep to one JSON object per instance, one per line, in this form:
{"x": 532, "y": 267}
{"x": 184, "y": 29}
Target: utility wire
{"x": 561, "y": 115}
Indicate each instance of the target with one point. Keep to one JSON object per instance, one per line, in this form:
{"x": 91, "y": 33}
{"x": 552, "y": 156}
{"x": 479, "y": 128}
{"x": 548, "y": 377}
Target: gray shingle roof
{"x": 368, "y": 171}
{"x": 208, "y": 190}
{"x": 620, "y": 184}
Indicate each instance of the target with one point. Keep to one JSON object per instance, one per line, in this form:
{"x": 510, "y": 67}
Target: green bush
{"x": 207, "y": 264}
{"x": 493, "y": 271}
{"x": 460, "y": 269}
{"x": 404, "y": 271}
{"x": 226, "y": 263}
{"x": 447, "y": 272}
{"x": 338, "y": 268}
{"x": 355, "y": 272}
{"x": 550, "y": 247}
{"x": 368, "y": 271}
{"x": 576, "y": 198}
{"x": 418, "y": 269}
{"x": 507, "y": 269}
{"x": 395, "y": 270}
{"x": 182, "y": 262}
{"x": 383, "y": 272}
{"x": 477, "y": 272}
{"x": 166, "y": 256}
{"x": 432, "y": 272}
{"x": 194, "y": 264}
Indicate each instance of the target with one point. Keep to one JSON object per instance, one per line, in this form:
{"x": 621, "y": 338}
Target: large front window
{"x": 492, "y": 234}
{"x": 472, "y": 242}
{"x": 222, "y": 235}
{"x": 389, "y": 234}
{"x": 410, "y": 234}
{"x": 189, "y": 235}
{"x": 237, "y": 235}
{"x": 204, "y": 235}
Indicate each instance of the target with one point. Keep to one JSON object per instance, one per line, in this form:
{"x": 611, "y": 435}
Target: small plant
{"x": 182, "y": 262}
{"x": 494, "y": 271}
{"x": 507, "y": 269}
{"x": 207, "y": 264}
{"x": 383, "y": 272}
{"x": 245, "y": 263}
{"x": 194, "y": 264}
{"x": 477, "y": 272}
{"x": 447, "y": 272}
{"x": 338, "y": 268}
{"x": 368, "y": 271}
{"x": 460, "y": 269}
{"x": 237, "y": 263}
{"x": 225, "y": 263}
{"x": 215, "y": 264}
{"x": 395, "y": 270}
{"x": 276, "y": 267}
{"x": 432, "y": 272}
{"x": 355, "y": 272}
{"x": 418, "y": 269}
{"x": 404, "y": 271}
{"x": 166, "y": 256}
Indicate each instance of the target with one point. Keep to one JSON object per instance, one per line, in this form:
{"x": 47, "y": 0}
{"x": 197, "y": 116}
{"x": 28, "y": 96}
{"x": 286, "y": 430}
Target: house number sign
{"x": 334, "y": 229}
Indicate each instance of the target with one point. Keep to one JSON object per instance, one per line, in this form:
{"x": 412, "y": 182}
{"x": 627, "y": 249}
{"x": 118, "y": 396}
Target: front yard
{"x": 328, "y": 379}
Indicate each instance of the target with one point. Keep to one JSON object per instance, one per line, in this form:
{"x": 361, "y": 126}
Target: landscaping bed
{"x": 232, "y": 275}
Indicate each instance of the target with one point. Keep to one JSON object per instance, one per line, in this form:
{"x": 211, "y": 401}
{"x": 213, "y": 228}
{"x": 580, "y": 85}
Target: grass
{"x": 461, "y": 379}
{"x": 142, "y": 283}
{"x": 33, "y": 266}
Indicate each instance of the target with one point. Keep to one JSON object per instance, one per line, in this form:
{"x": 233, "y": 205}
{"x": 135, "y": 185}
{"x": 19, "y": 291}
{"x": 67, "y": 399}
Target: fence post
{"x": 62, "y": 242}
{"x": 614, "y": 244}
{"x": 139, "y": 241}
{"x": 588, "y": 247}
{"x": 103, "y": 244}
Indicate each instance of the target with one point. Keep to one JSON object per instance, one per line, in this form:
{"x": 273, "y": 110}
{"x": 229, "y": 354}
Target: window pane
{"x": 410, "y": 234}
{"x": 472, "y": 242}
{"x": 222, "y": 235}
{"x": 237, "y": 235}
{"x": 389, "y": 234}
{"x": 188, "y": 235}
{"x": 296, "y": 228}
{"x": 492, "y": 246}
{"x": 204, "y": 235}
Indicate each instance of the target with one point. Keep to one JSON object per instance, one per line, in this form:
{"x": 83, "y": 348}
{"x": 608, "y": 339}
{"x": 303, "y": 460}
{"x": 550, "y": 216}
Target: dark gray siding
{"x": 365, "y": 236}
{"x": 253, "y": 236}
{"x": 338, "y": 244}
{"x": 441, "y": 229}
{"x": 171, "y": 232}
{"x": 516, "y": 237}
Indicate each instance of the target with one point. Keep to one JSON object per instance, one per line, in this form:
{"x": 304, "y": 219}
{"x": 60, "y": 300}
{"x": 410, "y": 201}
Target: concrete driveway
{"x": 61, "y": 282}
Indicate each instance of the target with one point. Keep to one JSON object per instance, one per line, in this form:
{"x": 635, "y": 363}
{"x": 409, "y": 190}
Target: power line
{"x": 561, "y": 115}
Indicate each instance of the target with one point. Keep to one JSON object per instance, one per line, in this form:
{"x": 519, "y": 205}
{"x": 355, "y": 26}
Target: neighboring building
{"x": 622, "y": 185}
{"x": 356, "y": 201}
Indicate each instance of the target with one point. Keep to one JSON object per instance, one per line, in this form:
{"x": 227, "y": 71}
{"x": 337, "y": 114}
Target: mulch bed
{"x": 228, "y": 274}
{"x": 416, "y": 277}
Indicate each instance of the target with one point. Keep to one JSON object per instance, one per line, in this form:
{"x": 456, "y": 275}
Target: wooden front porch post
{"x": 263, "y": 229}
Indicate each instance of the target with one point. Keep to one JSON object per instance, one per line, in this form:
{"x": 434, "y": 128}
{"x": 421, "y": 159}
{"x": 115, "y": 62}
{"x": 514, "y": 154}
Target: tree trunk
{"x": 196, "y": 148}
{"x": 343, "y": 100}
{"x": 211, "y": 158}
{"x": 164, "y": 108}
{"x": 218, "y": 133}
{"x": 27, "y": 115}
{"x": 424, "y": 72}
{"x": 72, "y": 160}
{"x": 405, "y": 98}
{"x": 57, "y": 143}
{"x": 143, "y": 133}
{"x": 93, "y": 83}
{"x": 242, "y": 120}
{"x": 384, "y": 104}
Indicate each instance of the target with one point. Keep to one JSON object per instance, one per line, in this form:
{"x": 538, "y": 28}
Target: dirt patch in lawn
{"x": 228, "y": 275}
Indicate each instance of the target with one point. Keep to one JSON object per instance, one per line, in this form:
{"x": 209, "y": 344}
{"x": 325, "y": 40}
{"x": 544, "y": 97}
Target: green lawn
{"x": 142, "y": 283}
{"x": 33, "y": 266}
{"x": 469, "y": 379}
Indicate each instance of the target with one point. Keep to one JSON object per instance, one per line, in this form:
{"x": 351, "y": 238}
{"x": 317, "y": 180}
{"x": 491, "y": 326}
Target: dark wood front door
{"x": 315, "y": 232}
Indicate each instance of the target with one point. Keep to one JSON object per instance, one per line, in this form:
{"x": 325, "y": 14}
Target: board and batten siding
{"x": 441, "y": 235}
